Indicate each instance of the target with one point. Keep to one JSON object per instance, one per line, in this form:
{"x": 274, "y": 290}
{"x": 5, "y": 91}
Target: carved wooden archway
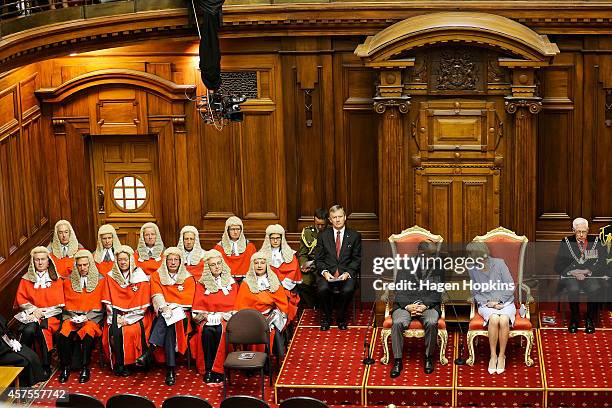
{"x": 116, "y": 102}
{"x": 391, "y": 52}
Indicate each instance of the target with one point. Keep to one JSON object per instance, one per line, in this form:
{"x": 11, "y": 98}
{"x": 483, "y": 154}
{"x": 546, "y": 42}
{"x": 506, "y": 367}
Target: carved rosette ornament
{"x": 402, "y": 103}
{"x": 533, "y": 105}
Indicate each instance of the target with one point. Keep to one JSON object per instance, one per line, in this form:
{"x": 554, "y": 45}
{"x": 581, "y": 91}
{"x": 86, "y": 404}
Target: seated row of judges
{"x": 157, "y": 301}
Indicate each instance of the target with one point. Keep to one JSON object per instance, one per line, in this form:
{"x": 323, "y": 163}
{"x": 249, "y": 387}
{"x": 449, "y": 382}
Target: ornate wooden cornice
{"x": 151, "y": 82}
{"x": 335, "y": 18}
{"x": 488, "y": 29}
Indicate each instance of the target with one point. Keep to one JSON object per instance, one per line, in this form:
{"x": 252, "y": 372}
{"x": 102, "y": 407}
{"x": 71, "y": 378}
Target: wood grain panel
{"x": 262, "y": 176}
{"x": 362, "y": 164}
{"x": 554, "y": 177}
{"x": 8, "y": 109}
{"x": 29, "y": 103}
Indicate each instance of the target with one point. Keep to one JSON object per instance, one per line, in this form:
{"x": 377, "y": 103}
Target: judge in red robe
{"x": 235, "y": 248}
{"x": 284, "y": 263}
{"x": 213, "y": 305}
{"x": 81, "y": 318}
{"x": 262, "y": 291}
{"x": 40, "y": 296}
{"x": 127, "y": 297}
{"x": 148, "y": 255}
{"x": 189, "y": 244}
{"x": 63, "y": 246}
{"x": 104, "y": 256}
{"x": 172, "y": 291}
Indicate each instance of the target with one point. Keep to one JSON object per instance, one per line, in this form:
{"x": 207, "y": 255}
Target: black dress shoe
{"x": 573, "y": 326}
{"x": 145, "y": 359}
{"x": 170, "y": 377}
{"x": 589, "y": 326}
{"x": 397, "y": 368}
{"x": 208, "y": 377}
{"x": 64, "y": 375}
{"x": 84, "y": 377}
{"x": 342, "y": 326}
{"x": 429, "y": 365}
{"x": 217, "y": 378}
{"x": 122, "y": 371}
{"x": 324, "y": 325}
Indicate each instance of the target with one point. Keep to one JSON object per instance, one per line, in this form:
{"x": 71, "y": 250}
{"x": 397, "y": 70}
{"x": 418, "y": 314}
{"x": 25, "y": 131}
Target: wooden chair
{"x": 406, "y": 243}
{"x": 505, "y": 244}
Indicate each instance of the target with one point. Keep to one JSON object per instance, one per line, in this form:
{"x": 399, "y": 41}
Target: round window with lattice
{"x": 130, "y": 193}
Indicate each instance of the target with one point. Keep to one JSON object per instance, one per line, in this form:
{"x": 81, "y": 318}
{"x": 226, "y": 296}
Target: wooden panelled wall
{"x": 309, "y": 139}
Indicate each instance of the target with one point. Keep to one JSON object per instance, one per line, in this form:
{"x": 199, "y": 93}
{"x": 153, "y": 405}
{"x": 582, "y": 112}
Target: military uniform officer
{"x": 306, "y": 255}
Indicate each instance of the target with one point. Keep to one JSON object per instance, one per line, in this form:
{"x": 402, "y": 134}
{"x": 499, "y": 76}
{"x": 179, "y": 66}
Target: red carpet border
{"x": 518, "y": 386}
{"x": 312, "y": 318}
{"x": 577, "y": 379}
{"x": 413, "y": 387}
{"x": 326, "y": 365}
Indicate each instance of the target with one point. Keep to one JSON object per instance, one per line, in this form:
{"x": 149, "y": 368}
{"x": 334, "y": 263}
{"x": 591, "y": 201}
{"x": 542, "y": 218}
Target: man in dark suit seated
{"x": 579, "y": 266}
{"x": 338, "y": 260}
{"x": 419, "y": 303}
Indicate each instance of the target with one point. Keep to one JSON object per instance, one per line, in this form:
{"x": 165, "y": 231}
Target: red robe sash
{"x": 239, "y": 264}
{"x": 53, "y": 296}
{"x": 82, "y": 302}
{"x": 213, "y": 302}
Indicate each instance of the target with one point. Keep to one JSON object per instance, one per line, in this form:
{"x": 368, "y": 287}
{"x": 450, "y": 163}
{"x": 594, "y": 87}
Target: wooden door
{"x": 458, "y": 203}
{"x": 125, "y": 176}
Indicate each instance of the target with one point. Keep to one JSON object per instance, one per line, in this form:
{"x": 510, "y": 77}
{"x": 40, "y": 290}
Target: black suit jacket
{"x": 430, "y": 298}
{"x": 350, "y": 252}
{"x": 565, "y": 262}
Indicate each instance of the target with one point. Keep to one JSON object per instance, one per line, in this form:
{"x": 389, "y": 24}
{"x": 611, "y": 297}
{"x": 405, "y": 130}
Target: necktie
{"x": 107, "y": 257}
{"x": 64, "y": 251}
{"x": 337, "y": 273}
{"x": 150, "y": 254}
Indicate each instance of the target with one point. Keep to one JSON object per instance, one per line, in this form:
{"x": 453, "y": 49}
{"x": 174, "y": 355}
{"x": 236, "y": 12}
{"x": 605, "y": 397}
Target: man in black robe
{"x": 15, "y": 354}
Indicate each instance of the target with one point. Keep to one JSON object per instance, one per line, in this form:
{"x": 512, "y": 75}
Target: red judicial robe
{"x": 181, "y": 295}
{"x": 213, "y": 303}
{"x": 104, "y": 267}
{"x": 82, "y": 302}
{"x": 150, "y": 265}
{"x": 63, "y": 265}
{"x": 264, "y": 302}
{"x": 53, "y": 296}
{"x": 195, "y": 270}
{"x": 127, "y": 300}
{"x": 239, "y": 264}
{"x": 290, "y": 272}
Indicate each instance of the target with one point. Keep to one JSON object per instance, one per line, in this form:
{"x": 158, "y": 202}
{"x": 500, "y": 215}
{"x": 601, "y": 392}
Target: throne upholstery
{"x": 407, "y": 242}
{"x": 505, "y": 244}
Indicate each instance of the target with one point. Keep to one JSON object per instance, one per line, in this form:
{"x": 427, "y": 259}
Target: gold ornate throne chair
{"x": 505, "y": 244}
{"x": 406, "y": 242}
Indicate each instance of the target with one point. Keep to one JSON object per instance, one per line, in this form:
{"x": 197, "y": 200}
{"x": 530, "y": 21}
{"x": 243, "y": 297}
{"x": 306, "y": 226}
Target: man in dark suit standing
{"x": 338, "y": 261}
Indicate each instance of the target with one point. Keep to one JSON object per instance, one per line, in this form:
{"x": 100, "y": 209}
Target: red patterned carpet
{"x": 328, "y": 366}
{"x": 413, "y": 386}
{"x": 325, "y": 365}
{"x": 561, "y": 320}
{"x": 577, "y": 379}
{"x": 104, "y": 384}
{"x": 312, "y": 318}
{"x": 518, "y": 386}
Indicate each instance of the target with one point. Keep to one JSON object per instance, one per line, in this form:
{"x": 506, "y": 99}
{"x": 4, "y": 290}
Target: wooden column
{"x": 524, "y": 105}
